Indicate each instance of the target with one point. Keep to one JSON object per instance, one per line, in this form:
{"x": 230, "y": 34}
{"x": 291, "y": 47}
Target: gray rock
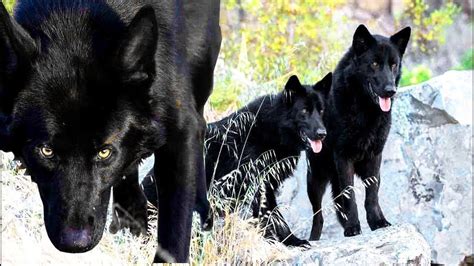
{"x": 426, "y": 177}
{"x": 399, "y": 244}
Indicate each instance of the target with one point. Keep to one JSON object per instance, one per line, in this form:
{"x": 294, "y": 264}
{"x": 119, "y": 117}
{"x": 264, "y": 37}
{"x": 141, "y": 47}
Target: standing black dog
{"x": 88, "y": 89}
{"x": 358, "y": 121}
{"x": 244, "y": 149}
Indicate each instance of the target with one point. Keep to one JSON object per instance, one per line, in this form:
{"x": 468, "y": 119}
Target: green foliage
{"x": 9, "y": 4}
{"x": 273, "y": 39}
{"x": 225, "y": 94}
{"x": 467, "y": 61}
{"x": 417, "y": 75}
{"x": 428, "y": 27}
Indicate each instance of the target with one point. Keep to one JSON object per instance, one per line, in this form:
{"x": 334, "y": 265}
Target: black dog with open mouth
{"x": 358, "y": 118}
{"x": 283, "y": 125}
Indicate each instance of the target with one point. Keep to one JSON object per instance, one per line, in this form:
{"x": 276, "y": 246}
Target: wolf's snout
{"x": 74, "y": 240}
{"x": 390, "y": 90}
{"x": 321, "y": 133}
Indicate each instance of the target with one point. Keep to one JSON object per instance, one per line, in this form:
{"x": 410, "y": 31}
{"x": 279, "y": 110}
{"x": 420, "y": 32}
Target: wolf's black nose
{"x": 390, "y": 90}
{"x": 321, "y": 133}
{"x": 75, "y": 240}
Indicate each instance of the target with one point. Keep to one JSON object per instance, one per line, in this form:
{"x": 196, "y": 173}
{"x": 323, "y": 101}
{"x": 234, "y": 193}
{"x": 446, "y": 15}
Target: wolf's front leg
{"x": 177, "y": 168}
{"x": 275, "y": 226}
{"x": 369, "y": 171}
{"x": 348, "y": 216}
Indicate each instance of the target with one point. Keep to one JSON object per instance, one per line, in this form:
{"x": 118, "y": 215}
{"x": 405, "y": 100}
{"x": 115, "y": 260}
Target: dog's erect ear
{"x": 137, "y": 50}
{"x": 324, "y": 85}
{"x": 17, "y": 51}
{"x": 362, "y": 40}
{"x": 16, "y": 44}
{"x": 401, "y": 38}
{"x": 293, "y": 88}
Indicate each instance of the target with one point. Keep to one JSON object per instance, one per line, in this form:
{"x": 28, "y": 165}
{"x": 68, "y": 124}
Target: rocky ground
{"x": 399, "y": 244}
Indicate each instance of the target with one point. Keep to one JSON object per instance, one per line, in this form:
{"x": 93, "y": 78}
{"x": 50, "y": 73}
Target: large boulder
{"x": 426, "y": 177}
{"x": 396, "y": 245}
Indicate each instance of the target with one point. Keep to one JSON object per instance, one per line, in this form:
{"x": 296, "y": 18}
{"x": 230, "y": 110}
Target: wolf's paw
{"x": 379, "y": 224}
{"x": 352, "y": 230}
{"x": 293, "y": 241}
{"x": 132, "y": 215}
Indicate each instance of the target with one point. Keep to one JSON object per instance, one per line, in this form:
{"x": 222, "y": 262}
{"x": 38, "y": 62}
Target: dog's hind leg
{"x": 369, "y": 171}
{"x": 149, "y": 188}
{"x": 129, "y": 206}
{"x": 343, "y": 189}
{"x": 275, "y": 226}
{"x": 202, "y": 203}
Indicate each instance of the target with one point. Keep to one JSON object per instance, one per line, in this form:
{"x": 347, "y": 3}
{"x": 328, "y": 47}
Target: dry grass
{"x": 233, "y": 239}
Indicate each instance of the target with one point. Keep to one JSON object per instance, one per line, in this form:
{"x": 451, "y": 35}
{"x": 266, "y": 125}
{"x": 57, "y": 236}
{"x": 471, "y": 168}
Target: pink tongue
{"x": 316, "y": 145}
{"x": 385, "y": 104}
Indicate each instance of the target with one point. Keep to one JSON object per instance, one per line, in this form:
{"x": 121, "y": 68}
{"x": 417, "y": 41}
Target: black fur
{"x": 357, "y": 127}
{"x": 121, "y": 79}
{"x": 243, "y": 147}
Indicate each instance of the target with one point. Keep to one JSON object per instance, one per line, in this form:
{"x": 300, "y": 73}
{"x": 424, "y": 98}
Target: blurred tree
{"x": 375, "y": 7}
{"x": 428, "y": 22}
{"x": 280, "y": 37}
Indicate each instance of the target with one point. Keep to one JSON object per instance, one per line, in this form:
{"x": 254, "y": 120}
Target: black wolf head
{"x": 377, "y": 62}
{"x": 73, "y": 108}
{"x": 306, "y": 106}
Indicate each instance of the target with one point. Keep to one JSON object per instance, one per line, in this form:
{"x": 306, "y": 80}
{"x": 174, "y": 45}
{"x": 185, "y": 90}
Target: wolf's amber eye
{"x": 304, "y": 111}
{"x": 375, "y": 65}
{"x": 104, "y": 153}
{"x": 47, "y": 152}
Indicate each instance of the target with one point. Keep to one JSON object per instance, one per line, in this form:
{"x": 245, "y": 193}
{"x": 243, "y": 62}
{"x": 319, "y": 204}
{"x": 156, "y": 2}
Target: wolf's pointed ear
{"x": 362, "y": 40}
{"x": 137, "y": 50}
{"x": 17, "y": 51}
{"x": 324, "y": 85}
{"x": 401, "y": 38}
{"x": 14, "y": 41}
{"x": 293, "y": 87}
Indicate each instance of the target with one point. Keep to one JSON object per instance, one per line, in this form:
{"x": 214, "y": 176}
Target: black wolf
{"x": 250, "y": 152}
{"x": 358, "y": 121}
{"x": 88, "y": 89}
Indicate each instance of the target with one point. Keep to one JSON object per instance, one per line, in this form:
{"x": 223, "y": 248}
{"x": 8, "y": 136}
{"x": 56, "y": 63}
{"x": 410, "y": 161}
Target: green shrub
{"x": 226, "y": 93}
{"x": 417, "y": 75}
{"x": 9, "y": 4}
{"x": 277, "y": 38}
{"x": 266, "y": 41}
{"x": 467, "y": 61}
{"x": 428, "y": 27}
